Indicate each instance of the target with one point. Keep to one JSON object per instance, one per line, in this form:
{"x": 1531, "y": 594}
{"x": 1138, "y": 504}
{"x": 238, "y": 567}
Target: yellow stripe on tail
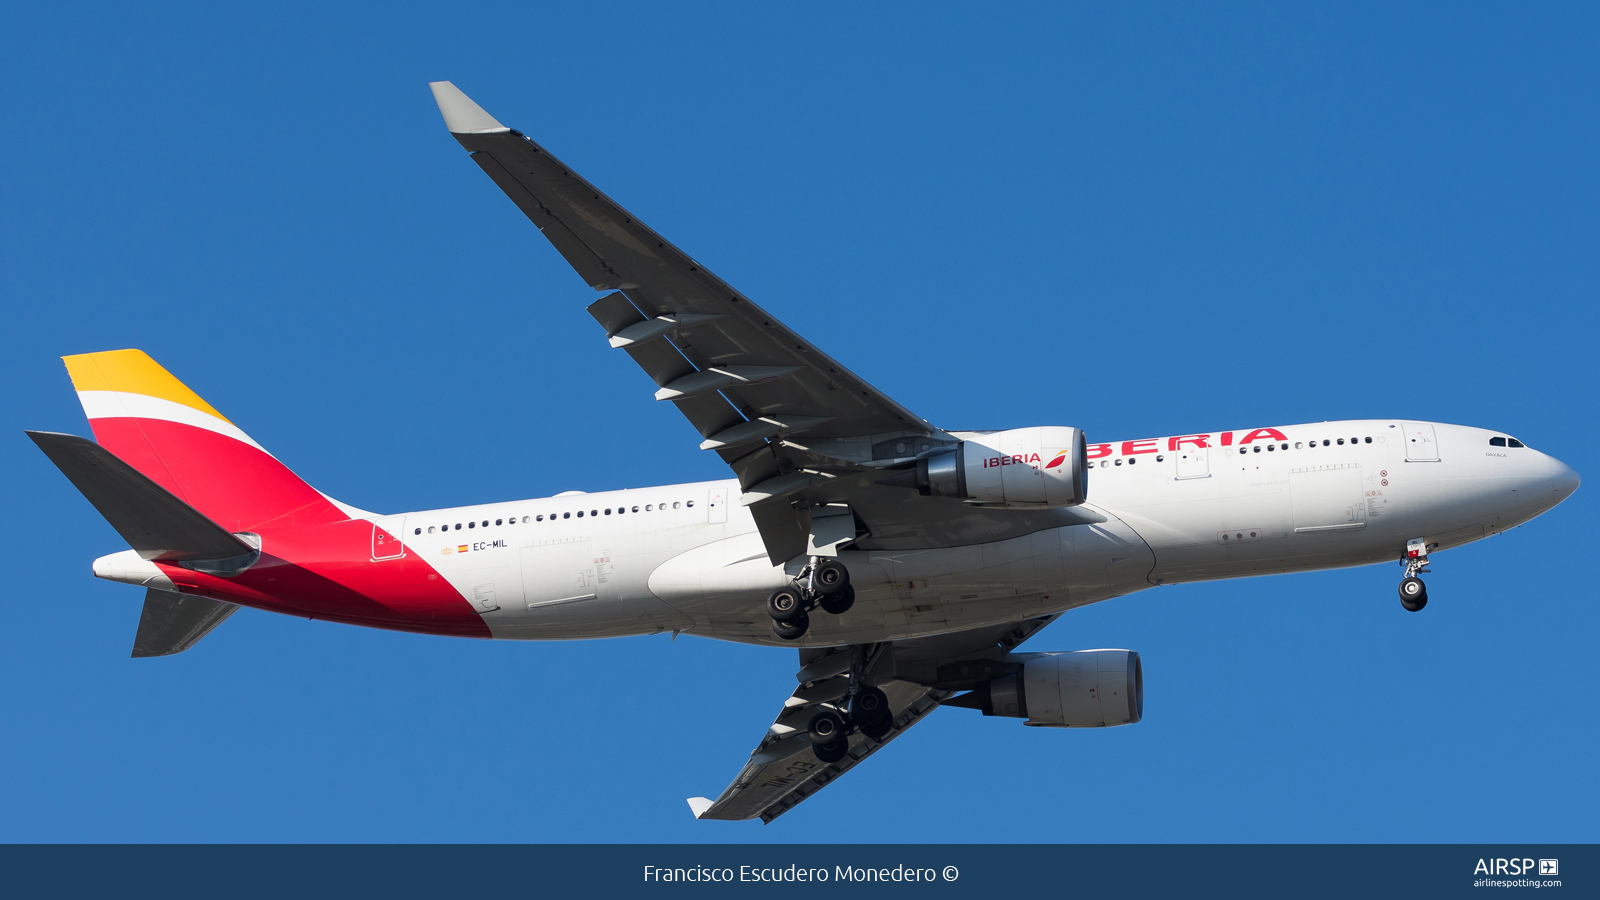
{"x": 132, "y": 372}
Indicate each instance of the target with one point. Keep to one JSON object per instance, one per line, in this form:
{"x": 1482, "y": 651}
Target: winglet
{"x": 461, "y": 115}
{"x": 699, "y": 805}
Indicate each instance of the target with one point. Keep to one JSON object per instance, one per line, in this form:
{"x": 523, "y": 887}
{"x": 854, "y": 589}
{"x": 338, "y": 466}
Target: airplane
{"x": 906, "y": 562}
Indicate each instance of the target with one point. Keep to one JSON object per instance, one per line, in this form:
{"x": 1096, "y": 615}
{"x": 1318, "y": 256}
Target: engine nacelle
{"x": 1045, "y": 466}
{"x": 1080, "y": 689}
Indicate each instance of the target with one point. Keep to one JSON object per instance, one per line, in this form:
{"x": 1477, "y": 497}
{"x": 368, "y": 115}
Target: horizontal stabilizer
{"x": 172, "y": 623}
{"x": 153, "y": 522}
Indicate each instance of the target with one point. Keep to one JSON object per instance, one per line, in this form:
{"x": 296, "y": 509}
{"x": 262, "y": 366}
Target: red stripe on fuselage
{"x": 238, "y": 486}
{"x": 326, "y": 572}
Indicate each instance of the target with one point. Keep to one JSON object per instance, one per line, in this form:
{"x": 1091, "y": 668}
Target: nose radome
{"x": 1563, "y": 480}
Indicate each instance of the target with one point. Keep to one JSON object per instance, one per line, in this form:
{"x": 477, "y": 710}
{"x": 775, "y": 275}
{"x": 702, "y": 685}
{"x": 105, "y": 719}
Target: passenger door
{"x": 1421, "y": 444}
{"x": 386, "y": 544}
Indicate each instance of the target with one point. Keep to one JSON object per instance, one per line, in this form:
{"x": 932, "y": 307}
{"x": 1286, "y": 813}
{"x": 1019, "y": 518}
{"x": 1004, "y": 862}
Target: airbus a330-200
{"x": 906, "y": 562}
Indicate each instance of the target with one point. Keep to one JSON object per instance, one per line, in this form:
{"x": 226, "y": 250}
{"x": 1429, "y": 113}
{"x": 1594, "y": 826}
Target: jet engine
{"x": 1080, "y": 689}
{"x": 1041, "y": 467}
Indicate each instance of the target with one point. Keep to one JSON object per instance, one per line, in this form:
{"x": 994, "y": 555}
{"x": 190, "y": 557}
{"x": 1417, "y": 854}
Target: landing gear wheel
{"x": 879, "y": 729}
{"x": 1413, "y": 594}
{"x": 840, "y": 603}
{"x": 793, "y": 629}
{"x": 832, "y": 753}
{"x": 869, "y": 706}
{"x": 786, "y": 605}
{"x": 830, "y": 577}
{"x": 826, "y": 727}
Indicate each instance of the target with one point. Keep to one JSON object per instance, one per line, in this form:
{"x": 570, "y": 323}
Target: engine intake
{"x": 1045, "y": 466}
{"x": 1079, "y": 689}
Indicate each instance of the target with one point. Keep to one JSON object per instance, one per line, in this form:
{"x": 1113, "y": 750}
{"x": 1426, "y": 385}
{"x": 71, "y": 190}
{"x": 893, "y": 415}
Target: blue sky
{"x": 1142, "y": 221}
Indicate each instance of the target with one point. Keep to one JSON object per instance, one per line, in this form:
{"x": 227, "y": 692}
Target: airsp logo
{"x": 1516, "y": 867}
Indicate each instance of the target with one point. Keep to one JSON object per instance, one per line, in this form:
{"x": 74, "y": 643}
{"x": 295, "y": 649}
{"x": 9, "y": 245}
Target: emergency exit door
{"x": 1193, "y": 462}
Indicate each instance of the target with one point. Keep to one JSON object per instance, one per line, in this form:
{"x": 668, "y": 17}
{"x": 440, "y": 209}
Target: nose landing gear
{"x": 824, "y": 583}
{"x": 1413, "y": 593}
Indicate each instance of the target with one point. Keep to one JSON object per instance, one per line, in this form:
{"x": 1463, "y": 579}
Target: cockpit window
{"x": 1497, "y": 442}
{"x": 1513, "y": 442}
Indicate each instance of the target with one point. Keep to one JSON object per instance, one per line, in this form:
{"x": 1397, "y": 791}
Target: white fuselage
{"x": 1162, "y": 511}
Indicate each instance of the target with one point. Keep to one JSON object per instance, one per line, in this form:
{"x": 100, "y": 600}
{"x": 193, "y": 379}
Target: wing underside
{"x": 783, "y": 771}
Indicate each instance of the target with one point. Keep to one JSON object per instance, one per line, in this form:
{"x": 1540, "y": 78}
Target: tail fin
{"x": 163, "y": 429}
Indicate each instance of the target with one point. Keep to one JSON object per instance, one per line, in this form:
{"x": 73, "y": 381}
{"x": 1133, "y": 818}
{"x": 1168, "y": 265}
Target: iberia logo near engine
{"x": 1060, "y": 458}
{"x": 1019, "y": 459}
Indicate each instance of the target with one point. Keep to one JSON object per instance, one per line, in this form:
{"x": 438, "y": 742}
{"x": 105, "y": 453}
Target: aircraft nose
{"x": 1563, "y": 480}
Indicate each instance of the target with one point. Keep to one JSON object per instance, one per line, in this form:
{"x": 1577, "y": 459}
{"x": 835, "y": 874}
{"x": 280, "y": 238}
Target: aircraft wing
{"x": 776, "y": 408}
{"x": 783, "y": 771}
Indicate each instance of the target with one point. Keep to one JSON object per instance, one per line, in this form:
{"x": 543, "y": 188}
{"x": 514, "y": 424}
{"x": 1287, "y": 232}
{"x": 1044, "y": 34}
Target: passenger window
{"x": 674, "y": 505}
{"x": 1299, "y": 445}
{"x": 472, "y": 524}
{"x": 525, "y": 519}
{"x": 580, "y": 513}
{"x": 430, "y": 529}
{"x": 1257, "y": 448}
{"x": 1159, "y": 457}
{"x": 1369, "y": 440}
{"x": 496, "y": 521}
{"x": 1284, "y": 447}
{"x": 594, "y": 512}
{"x": 636, "y": 509}
{"x": 1119, "y": 461}
{"x": 647, "y": 507}
{"x": 418, "y": 531}
{"x": 1271, "y": 447}
{"x": 1325, "y": 443}
{"x": 691, "y": 504}
{"x": 1243, "y": 450}
{"x": 1513, "y": 442}
{"x": 1497, "y": 442}
{"x": 538, "y": 518}
{"x": 1341, "y": 442}
{"x": 486, "y": 523}
{"x": 569, "y": 515}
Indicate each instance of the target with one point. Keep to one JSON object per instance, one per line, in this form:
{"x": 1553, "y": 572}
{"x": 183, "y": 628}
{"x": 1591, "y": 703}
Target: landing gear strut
{"x": 823, "y": 583}
{"x": 1413, "y": 593}
{"x": 863, "y": 708}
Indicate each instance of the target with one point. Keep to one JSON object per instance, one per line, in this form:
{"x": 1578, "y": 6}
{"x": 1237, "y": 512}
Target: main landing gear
{"x": 1413, "y": 593}
{"x": 863, "y": 708}
{"x": 823, "y": 583}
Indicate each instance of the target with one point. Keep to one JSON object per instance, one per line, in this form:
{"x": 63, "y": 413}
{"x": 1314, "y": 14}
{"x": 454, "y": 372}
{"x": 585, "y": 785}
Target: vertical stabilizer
{"x": 156, "y": 424}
